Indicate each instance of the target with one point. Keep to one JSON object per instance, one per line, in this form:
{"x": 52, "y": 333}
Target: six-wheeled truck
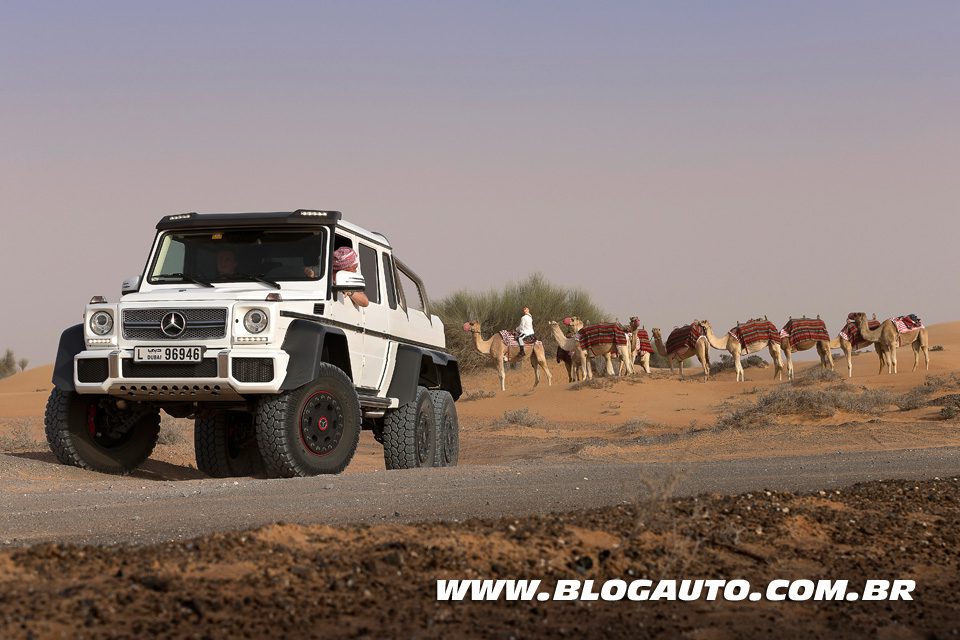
{"x": 239, "y": 322}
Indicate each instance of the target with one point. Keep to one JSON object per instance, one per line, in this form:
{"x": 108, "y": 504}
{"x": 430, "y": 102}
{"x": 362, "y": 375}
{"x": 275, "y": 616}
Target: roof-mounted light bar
{"x": 312, "y": 213}
{"x": 181, "y": 216}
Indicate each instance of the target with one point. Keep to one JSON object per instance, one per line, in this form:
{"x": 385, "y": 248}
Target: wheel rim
{"x": 101, "y": 431}
{"x": 321, "y": 423}
{"x": 423, "y": 437}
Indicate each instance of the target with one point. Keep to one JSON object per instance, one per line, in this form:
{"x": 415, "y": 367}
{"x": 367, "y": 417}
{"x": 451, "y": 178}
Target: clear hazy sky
{"x": 678, "y": 159}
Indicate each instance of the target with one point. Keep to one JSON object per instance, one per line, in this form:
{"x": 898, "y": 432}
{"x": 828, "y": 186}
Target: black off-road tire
{"x": 448, "y": 428}
{"x": 71, "y": 425}
{"x": 225, "y": 444}
{"x": 311, "y": 430}
{"x": 410, "y": 438}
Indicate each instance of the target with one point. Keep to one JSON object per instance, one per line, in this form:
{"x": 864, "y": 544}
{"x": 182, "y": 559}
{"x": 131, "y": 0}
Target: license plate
{"x": 168, "y": 354}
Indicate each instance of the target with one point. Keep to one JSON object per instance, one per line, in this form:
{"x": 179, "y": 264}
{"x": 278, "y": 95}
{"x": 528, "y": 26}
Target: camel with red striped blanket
{"x": 497, "y": 349}
{"x": 850, "y": 340}
{"x": 889, "y": 336}
{"x": 680, "y": 347}
{"x": 750, "y": 337}
{"x": 803, "y": 334}
{"x": 574, "y": 354}
{"x": 602, "y": 340}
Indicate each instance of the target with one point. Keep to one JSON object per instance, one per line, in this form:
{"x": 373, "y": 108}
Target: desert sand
{"x": 657, "y": 417}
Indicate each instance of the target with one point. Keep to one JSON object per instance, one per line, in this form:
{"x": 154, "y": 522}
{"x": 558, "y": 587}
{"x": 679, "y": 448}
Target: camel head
{"x": 472, "y": 327}
{"x": 655, "y": 332}
{"x": 635, "y": 322}
{"x": 705, "y": 325}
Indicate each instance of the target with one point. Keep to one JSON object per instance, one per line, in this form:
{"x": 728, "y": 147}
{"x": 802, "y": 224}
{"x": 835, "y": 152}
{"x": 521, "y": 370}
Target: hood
{"x": 243, "y": 293}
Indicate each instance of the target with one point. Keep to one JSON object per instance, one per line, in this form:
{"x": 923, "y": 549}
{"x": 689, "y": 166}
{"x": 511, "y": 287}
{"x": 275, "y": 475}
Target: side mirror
{"x": 348, "y": 281}
{"x": 130, "y": 285}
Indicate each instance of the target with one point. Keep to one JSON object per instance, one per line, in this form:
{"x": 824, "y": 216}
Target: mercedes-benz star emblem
{"x": 173, "y": 324}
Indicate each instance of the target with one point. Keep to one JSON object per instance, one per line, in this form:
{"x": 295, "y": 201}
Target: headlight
{"x": 101, "y": 323}
{"x": 255, "y": 320}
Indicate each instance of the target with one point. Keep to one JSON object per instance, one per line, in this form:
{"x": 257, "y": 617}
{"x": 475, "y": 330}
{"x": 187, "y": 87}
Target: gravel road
{"x": 69, "y": 505}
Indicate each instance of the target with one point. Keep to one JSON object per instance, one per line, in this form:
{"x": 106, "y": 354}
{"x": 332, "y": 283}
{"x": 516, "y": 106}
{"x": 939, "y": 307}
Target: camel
{"x": 842, "y": 343}
{"x": 572, "y": 346}
{"x": 732, "y": 344}
{"x": 700, "y": 350}
{"x": 606, "y": 350}
{"x": 888, "y": 338}
{"x": 822, "y": 346}
{"x": 496, "y": 349}
{"x": 632, "y": 334}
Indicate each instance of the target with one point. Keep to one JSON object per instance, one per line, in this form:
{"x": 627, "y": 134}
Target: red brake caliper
{"x": 91, "y": 420}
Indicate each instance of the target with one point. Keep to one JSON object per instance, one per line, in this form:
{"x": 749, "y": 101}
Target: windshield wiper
{"x": 258, "y": 277}
{"x": 185, "y": 277}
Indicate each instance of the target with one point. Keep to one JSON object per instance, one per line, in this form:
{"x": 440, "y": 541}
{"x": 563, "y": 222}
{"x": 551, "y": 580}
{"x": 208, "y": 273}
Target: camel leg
{"x": 739, "y": 366}
{"x": 916, "y": 354}
{"x": 608, "y": 356}
{"x": 789, "y": 354}
{"x": 501, "y": 373}
{"x": 680, "y": 365}
{"x": 777, "y": 358}
{"x": 848, "y": 354}
{"x": 828, "y": 355}
{"x": 536, "y": 370}
{"x": 645, "y": 362}
{"x": 703, "y": 355}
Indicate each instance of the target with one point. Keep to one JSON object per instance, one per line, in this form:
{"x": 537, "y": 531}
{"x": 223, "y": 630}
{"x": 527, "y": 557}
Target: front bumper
{"x": 223, "y": 374}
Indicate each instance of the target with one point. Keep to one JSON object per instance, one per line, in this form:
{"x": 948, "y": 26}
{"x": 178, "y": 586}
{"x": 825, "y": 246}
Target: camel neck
{"x": 712, "y": 338}
{"x": 481, "y": 345}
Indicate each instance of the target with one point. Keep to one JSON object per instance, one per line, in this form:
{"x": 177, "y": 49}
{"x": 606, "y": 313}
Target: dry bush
{"x": 477, "y": 395}
{"x": 816, "y": 375}
{"x": 520, "y": 418}
{"x": 726, "y": 363}
{"x": 635, "y": 426}
{"x": 810, "y": 403}
{"x": 937, "y": 347}
{"x": 172, "y": 430}
{"x": 919, "y": 396}
{"x": 500, "y": 308}
{"x": 18, "y": 439}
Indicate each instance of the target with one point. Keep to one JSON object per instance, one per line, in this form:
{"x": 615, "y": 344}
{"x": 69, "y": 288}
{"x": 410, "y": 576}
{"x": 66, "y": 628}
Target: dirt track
{"x": 129, "y": 510}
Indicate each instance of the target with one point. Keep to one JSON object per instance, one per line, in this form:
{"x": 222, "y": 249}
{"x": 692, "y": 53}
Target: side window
{"x": 388, "y": 281}
{"x": 341, "y": 241}
{"x": 370, "y": 270}
{"x": 411, "y": 291}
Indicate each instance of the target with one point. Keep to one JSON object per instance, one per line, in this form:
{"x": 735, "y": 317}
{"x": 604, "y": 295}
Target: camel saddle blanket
{"x": 851, "y": 333}
{"x": 754, "y": 331}
{"x": 643, "y": 342}
{"x": 683, "y": 337}
{"x": 510, "y": 339}
{"x": 906, "y": 324}
{"x": 803, "y": 329}
{"x": 600, "y": 334}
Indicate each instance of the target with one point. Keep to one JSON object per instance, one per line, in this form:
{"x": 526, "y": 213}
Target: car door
{"x": 376, "y": 320}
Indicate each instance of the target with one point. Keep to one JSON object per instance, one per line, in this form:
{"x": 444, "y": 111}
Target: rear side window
{"x": 370, "y": 269}
{"x": 411, "y": 291}
{"x": 388, "y": 281}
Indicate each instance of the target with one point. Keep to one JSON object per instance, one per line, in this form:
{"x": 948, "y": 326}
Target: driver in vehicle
{"x": 226, "y": 262}
{"x": 346, "y": 259}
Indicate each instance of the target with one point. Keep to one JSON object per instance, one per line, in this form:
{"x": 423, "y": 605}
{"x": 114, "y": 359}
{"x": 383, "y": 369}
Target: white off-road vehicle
{"x": 239, "y": 322}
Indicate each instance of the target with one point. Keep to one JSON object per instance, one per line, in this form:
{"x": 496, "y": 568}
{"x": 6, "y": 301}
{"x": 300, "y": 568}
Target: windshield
{"x": 239, "y": 255}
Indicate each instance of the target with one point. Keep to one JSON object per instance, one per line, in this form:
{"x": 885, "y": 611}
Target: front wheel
{"x": 311, "y": 430}
{"x": 92, "y": 432}
{"x": 410, "y": 434}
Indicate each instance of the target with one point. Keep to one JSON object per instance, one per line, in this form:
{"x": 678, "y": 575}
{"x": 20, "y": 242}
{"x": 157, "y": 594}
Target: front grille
{"x": 201, "y": 324}
{"x": 92, "y": 369}
{"x": 206, "y": 368}
{"x": 253, "y": 369}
